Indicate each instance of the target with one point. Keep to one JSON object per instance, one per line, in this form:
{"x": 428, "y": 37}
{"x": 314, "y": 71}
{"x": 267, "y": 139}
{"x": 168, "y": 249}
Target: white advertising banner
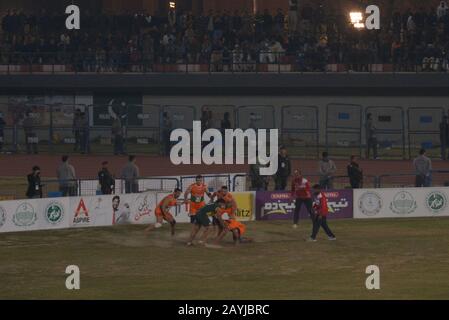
{"x": 401, "y": 202}
{"x": 95, "y": 211}
{"x": 34, "y": 214}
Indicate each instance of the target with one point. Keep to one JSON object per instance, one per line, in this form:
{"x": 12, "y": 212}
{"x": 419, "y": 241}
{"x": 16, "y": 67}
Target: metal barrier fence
{"x": 214, "y": 182}
{"x": 390, "y": 130}
{"x": 344, "y": 128}
{"x": 300, "y": 130}
{"x": 339, "y": 182}
{"x": 424, "y": 130}
{"x": 217, "y": 61}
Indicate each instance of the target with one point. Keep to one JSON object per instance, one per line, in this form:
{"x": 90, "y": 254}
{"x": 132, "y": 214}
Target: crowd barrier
{"x": 138, "y": 208}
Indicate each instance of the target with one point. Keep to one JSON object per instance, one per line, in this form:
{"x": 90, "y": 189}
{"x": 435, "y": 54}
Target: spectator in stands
{"x": 423, "y": 169}
{"x": 284, "y": 169}
{"x": 130, "y": 173}
{"x": 167, "y": 127}
{"x": 252, "y": 121}
{"x": 67, "y": 178}
{"x": 355, "y": 174}
{"x": 31, "y": 138}
{"x": 371, "y": 139}
{"x": 327, "y": 169}
{"x": 444, "y": 137}
{"x": 77, "y": 127}
{"x": 34, "y": 189}
{"x": 293, "y": 15}
{"x": 106, "y": 179}
{"x": 2, "y": 132}
{"x": 442, "y": 10}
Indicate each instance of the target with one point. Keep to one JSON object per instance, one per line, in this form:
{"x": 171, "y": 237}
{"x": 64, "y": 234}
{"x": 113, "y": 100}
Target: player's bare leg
{"x": 205, "y": 234}
{"x": 195, "y": 229}
{"x": 152, "y": 227}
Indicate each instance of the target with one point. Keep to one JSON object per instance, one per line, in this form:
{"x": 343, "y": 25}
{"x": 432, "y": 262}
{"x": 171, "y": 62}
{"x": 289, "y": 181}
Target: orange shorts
{"x": 158, "y": 213}
{"x": 234, "y": 224}
{"x": 195, "y": 206}
{"x": 229, "y": 211}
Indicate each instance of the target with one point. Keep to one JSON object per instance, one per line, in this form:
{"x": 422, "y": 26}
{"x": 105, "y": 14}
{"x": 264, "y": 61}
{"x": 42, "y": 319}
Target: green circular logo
{"x": 54, "y": 212}
{"x": 436, "y": 201}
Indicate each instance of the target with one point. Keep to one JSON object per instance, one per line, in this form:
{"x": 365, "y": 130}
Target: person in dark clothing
{"x": 320, "y": 212}
{"x": 31, "y": 139}
{"x": 166, "y": 131}
{"x": 258, "y": 182}
{"x": 84, "y": 133}
{"x": 355, "y": 174}
{"x": 106, "y": 180}
{"x": 34, "y": 184}
{"x": 284, "y": 170}
{"x": 117, "y": 133}
{"x": 2, "y": 132}
{"x": 302, "y": 194}
{"x": 444, "y": 137}
{"x": 225, "y": 123}
{"x": 371, "y": 139}
{"x": 77, "y": 126}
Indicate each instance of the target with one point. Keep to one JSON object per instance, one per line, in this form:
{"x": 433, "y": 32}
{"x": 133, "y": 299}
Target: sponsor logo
{"x": 403, "y": 203}
{"x": 277, "y": 208}
{"x": 2, "y": 216}
{"x": 54, "y": 212}
{"x": 143, "y": 207}
{"x": 370, "y": 203}
{"x": 81, "y": 214}
{"x": 337, "y": 206}
{"x": 436, "y": 202}
{"x": 25, "y": 215}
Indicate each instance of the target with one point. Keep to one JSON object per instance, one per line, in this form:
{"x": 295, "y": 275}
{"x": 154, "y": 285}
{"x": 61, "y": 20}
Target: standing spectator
{"x": 105, "y": 179}
{"x": 77, "y": 125}
{"x": 423, "y": 169}
{"x": 371, "y": 139}
{"x": 226, "y": 122}
{"x": 442, "y": 10}
{"x": 84, "y": 137}
{"x": 252, "y": 121}
{"x": 327, "y": 168}
{"x": 258, "y": 182}
{"x": 444, "y": 137}
{"x": 2, "y": 133}
{"x": 166, "y": 131}
{"x": 302, "y": 194}
{"x": 321, "y": 211}
{"x": 67, "y": 178}
{"x": 293, "y": 15}
{"x": 30, "y": 135}
{"x": 355, "y": 174}
{"x": 130, "y": 173}
{"x": 284, "y": 170}
{"x": 34, "y": 184}
{"x": 117, "y": 133}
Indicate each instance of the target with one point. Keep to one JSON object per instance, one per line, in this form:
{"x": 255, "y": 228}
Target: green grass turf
{"x": 122, "y": 263}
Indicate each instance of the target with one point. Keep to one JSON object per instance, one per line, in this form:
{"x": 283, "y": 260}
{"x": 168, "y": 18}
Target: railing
{"x": 217, "y": 61}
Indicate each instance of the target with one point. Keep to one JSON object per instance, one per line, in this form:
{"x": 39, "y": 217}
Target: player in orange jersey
{"x": 196, "y": 191}
{"x": 162, "y": 211}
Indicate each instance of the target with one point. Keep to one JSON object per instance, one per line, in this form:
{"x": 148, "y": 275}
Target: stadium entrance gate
{"x": 300, "y": 130}
{"x": 390, "y": 130}
{"x": 424, "y": 130}
{"x": 343, "y": 129}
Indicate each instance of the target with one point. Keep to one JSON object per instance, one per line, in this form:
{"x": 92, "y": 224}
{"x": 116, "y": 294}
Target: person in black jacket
{"x": 284, "y": 170}
{"x": 34, "y": 184}
{"x": 355, "y": 174}
{"x": 106, "y": 180}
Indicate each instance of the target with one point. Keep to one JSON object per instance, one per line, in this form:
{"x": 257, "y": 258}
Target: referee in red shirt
{"x": 320, "y": 211}
{"x": 301, "y": 192}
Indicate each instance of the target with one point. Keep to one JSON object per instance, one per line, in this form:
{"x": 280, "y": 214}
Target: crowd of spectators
{"x": 225, "y": 40}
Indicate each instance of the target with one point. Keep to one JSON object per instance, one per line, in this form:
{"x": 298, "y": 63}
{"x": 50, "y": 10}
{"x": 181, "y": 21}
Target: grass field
{"x": 123, "y": 263}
